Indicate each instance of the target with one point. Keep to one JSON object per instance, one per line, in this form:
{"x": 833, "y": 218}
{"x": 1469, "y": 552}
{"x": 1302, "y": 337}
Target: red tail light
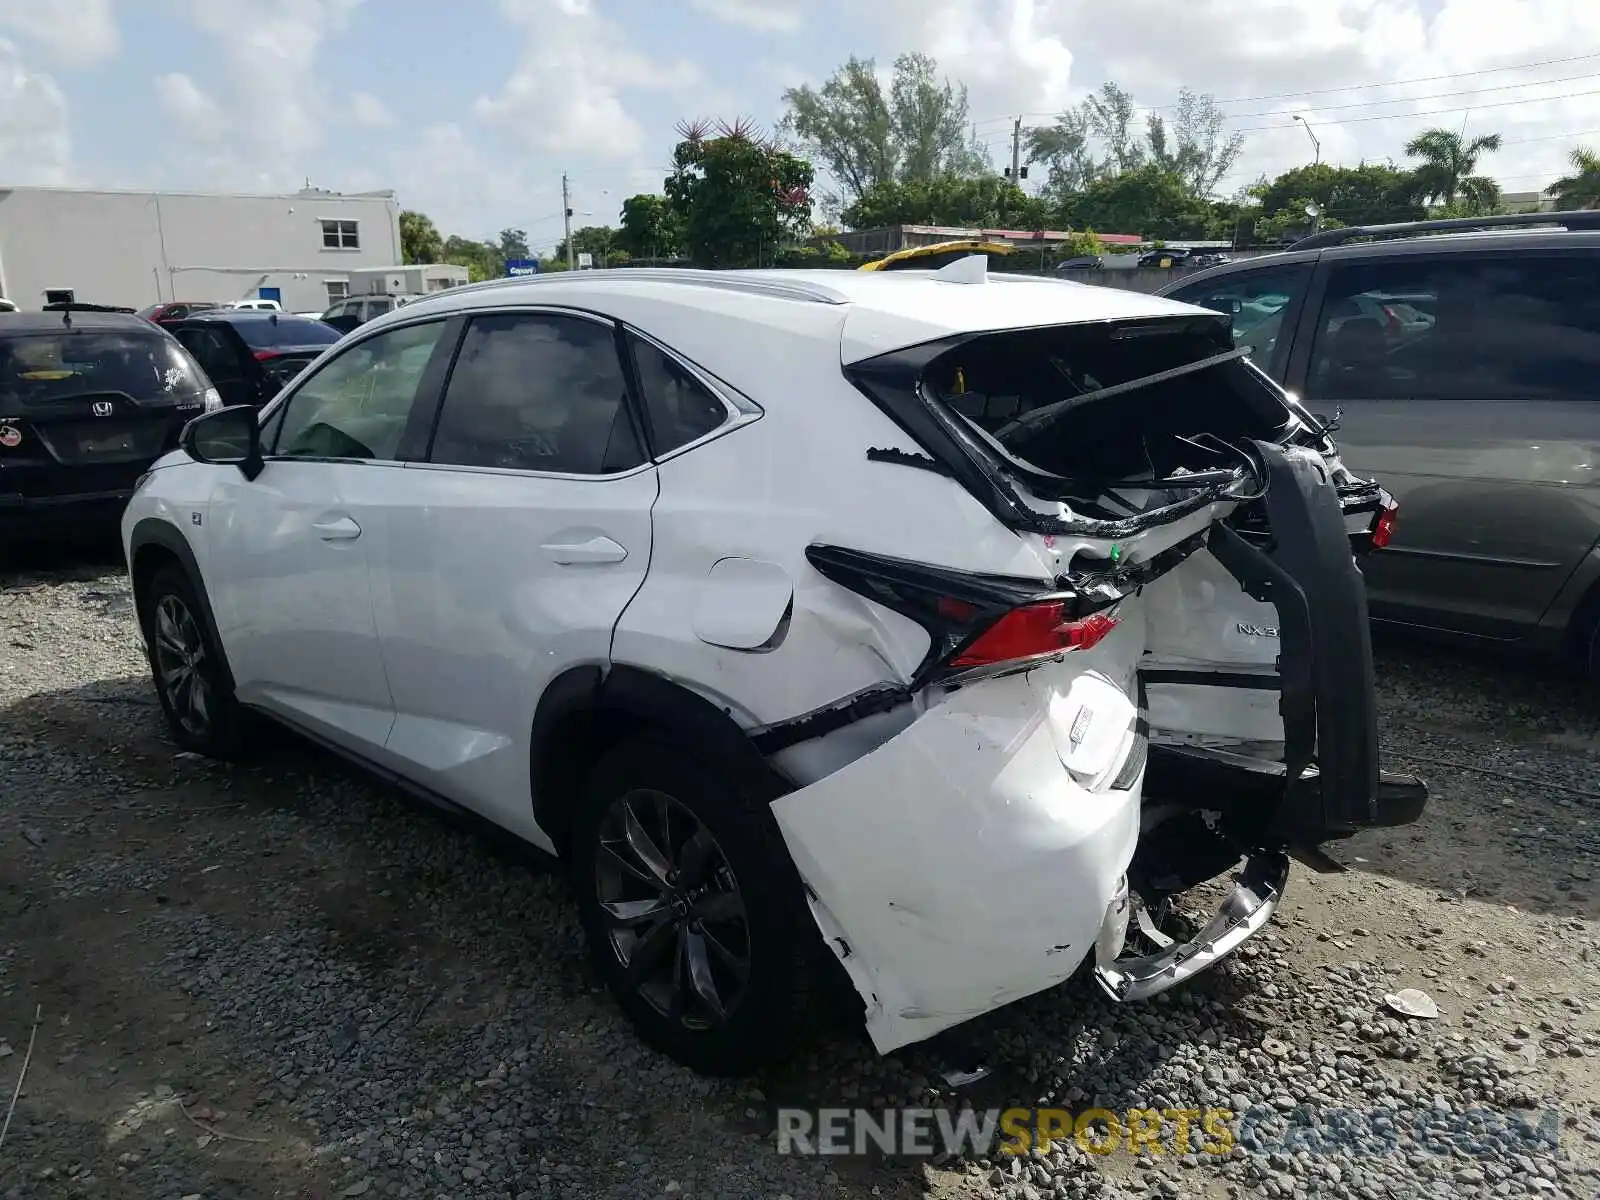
{"x": 1033, "y": 631}
{"x": 263, "y": 355}
{"x": 1384, "y": 529}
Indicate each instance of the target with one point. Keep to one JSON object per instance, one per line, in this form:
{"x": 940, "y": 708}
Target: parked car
{"x": 256, "y": 305}
{"x": 1083, "y": 262}
{"x": 174, "y": 310}
{"x": 349, "y": 313}
{"x": 88, "y": 400}
{"x": 1460, "y": 361}
{"x": 932, "y": 668}
{"x": 1164, "y": 257}
{"x": 250, "y": 355}
{"x": 8, "y": 306}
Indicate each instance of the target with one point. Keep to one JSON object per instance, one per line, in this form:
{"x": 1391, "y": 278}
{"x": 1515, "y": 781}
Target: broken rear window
{"x": 1150, "y": 431}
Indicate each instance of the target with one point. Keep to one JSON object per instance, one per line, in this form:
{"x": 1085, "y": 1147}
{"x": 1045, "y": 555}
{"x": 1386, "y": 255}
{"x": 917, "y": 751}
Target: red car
{"x": 174, "y": 310}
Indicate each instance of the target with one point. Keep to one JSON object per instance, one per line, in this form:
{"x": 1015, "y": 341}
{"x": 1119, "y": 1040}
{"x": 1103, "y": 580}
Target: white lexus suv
{"x": 936, "y": 627}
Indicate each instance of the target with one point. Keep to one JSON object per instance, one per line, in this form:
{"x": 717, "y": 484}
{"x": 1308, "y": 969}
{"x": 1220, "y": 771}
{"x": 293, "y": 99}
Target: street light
{"x": 1315, "y": 145}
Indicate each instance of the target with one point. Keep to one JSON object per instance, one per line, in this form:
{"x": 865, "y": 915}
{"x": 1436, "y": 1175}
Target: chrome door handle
{"x": 594, "y": 550}
{"x": 341, "y": 530}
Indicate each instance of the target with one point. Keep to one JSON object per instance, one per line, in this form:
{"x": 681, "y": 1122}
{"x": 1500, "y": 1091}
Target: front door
{"x": 511, "y": 554}
{"x": 292, "y": 591}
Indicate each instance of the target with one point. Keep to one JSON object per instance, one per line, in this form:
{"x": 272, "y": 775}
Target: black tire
{"x": 185, "y": 663}
{"x": 765, "y": 1013}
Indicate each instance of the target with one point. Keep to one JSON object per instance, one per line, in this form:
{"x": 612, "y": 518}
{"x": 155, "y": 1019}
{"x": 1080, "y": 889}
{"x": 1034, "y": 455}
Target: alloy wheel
{"x": 181, "y": 664}
{"x": 676, "y": 916}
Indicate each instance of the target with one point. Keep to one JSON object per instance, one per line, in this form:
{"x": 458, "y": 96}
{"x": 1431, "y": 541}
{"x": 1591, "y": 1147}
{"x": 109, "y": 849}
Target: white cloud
{"x": 77, "y": 34}
{"x": 763, "y": 16}
{"x": 566, "y": 93}
{"x": 366, "y": 109}
{"x": 1031, "y": 56}
{"x": 35, "y": 142}
{"x": 275, "y": 100}
{"x": 195, "y": 112}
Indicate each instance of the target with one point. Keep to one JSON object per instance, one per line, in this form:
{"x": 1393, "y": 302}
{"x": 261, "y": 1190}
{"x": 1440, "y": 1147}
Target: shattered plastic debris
{"x": 1409, "y": 1002}
{"x": 958, "y": 1078}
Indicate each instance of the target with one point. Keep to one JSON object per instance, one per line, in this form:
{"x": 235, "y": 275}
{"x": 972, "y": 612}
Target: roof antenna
{"x": 974, "y": 268}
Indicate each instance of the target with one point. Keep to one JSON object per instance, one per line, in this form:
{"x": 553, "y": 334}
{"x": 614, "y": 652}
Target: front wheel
{"x": 186, "y": 665}
{"x": 691, "y": 908}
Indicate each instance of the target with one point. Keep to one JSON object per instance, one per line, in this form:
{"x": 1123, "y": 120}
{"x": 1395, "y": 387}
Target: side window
{"x": 378, "y": 307}
{"x": 1459, "y": 328}
{"x": 680, "y": 409}
{"x": 537, "y": 392}
{"x": 358, "y": 404}
{"x": 1259, "y": 302}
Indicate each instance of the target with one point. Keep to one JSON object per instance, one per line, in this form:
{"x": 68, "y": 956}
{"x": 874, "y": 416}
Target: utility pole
{"x": 1016, "y": 152}
{"x": 566, "y": 221}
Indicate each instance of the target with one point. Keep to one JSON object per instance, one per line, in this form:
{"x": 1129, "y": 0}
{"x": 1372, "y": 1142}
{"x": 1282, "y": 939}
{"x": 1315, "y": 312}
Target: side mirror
{"x": 227, "y": 437}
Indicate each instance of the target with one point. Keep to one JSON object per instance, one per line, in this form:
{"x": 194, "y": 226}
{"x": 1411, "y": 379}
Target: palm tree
{"x": 1448, "y": 163}
{"x": 1581, "y": 189}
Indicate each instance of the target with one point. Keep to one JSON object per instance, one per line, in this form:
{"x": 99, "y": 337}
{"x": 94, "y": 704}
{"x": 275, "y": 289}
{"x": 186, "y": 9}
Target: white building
{"x": 139, "y": 248}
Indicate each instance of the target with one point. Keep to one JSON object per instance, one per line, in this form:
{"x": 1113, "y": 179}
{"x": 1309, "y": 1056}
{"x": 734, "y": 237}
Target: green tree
{"x": 513, "y": 243}
{"x": 1448, "y": 163}
{"x": 483, "y": 260}
{"x": 1581, "y": 189}
{"x": 1147, "y": 200}
{"x": 984, "y": 201}
{"x": 649, "y": 228}
{"x": 864, "y": 137}
{"x": 1370, "y": 194}
{"x": 739, "y": 199}
{"x": 419, "y": 239}
{"x": 1100, "y": 138}
{"x": 597, "y": 240}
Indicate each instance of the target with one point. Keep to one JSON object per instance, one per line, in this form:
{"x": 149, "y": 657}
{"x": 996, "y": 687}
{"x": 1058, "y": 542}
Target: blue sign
{"x": 270, "y": 293}
{"x": 522, "y": 266}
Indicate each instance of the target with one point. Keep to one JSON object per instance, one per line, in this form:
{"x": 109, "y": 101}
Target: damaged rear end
{"x": 1182, "y": 690}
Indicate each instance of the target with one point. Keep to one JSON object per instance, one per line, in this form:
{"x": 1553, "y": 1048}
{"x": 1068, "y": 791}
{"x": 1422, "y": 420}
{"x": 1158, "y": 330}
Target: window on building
{"x": 340, "y": 235}
{"x": 338, "y": 289}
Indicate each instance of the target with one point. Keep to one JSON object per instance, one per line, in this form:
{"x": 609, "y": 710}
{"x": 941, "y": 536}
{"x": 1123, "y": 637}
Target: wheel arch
{"x": 589, "y": 709}
{"x": 154, "y": 543}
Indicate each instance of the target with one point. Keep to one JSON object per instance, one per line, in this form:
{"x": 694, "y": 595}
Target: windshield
{"x": 49, "y": 366}
{"x": 286, "y": 331}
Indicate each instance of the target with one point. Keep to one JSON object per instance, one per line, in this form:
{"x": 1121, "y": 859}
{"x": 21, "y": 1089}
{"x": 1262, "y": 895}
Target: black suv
{"x": 250, "y": 354}
{"x": 89, "y": 398}
{"x": 1460, "y": 362}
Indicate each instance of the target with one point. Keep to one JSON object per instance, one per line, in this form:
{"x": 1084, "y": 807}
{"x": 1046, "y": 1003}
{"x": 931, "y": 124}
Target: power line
{"x": 1477, "y": 91}
{"x": 1356, "y": 87}
{"x": 1432, "y": 112}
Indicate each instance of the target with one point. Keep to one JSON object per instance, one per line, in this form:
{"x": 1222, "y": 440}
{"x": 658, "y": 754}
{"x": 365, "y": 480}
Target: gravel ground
{"x": 280, "y": 980}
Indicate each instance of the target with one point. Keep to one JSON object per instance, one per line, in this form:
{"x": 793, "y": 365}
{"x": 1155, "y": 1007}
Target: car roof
{"x": 51, "y": 322}
{"x": 235, "y": 316}
{"x": 880, "y": 311}
{"x": 1411, "y": 247}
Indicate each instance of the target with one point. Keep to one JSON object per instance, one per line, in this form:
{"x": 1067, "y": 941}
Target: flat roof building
{"x": 138, "y": 247}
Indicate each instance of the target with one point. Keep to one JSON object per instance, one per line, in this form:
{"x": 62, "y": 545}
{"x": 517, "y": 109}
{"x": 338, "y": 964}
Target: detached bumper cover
{"x": 1256, "y": 892}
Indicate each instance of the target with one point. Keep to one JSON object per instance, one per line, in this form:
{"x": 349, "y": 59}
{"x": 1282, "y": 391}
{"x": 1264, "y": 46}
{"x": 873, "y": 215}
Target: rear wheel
{"x": 691, "y": 909}
{"x": 186, "y": 665}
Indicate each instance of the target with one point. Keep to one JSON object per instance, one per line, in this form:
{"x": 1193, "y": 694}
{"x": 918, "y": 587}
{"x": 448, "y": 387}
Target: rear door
{"x": 1469, "y": 384}
{"x": 511, "y": 553}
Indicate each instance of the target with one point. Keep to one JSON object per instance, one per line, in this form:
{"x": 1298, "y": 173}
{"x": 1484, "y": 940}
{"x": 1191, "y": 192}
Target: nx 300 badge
{"x": 1257, "y": 630}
